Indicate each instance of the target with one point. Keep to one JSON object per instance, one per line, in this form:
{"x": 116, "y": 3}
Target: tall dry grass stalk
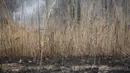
{"x": 74, "y": 40}
{"x": 87, "y": 38}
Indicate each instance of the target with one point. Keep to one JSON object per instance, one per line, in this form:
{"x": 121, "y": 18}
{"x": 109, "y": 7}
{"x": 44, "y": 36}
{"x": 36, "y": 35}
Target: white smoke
{"x": 28, "y": 9}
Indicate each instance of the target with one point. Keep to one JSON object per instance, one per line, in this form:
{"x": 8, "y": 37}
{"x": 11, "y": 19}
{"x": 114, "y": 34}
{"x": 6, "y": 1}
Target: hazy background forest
{"x": 37, "y": 28}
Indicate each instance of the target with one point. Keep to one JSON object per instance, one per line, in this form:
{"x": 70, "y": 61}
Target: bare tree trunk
{"x": 74, "y": 10}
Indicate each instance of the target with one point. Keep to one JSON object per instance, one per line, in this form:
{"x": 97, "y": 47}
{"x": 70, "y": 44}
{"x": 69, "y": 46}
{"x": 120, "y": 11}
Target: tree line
{"x": 73, "y": 9}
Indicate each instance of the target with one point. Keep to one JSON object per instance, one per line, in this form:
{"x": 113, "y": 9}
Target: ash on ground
{"x": 65, "y": 65}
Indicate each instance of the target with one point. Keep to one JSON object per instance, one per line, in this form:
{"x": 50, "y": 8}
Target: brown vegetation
{"x": 87, "y": 38}
{"x": 74, "y": 40}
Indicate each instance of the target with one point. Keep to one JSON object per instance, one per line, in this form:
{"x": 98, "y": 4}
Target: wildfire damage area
{"x": 64, "y": 36}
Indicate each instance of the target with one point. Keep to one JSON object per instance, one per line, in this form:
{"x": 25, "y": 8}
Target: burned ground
{"x": 67, "y": 65}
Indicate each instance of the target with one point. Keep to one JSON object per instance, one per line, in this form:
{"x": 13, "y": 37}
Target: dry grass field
{"x": 75, "y": 41}
{"x": 93, "y": 37}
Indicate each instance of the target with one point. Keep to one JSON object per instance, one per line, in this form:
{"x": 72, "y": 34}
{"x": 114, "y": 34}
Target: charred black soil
{"x": 66, "y": 65}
